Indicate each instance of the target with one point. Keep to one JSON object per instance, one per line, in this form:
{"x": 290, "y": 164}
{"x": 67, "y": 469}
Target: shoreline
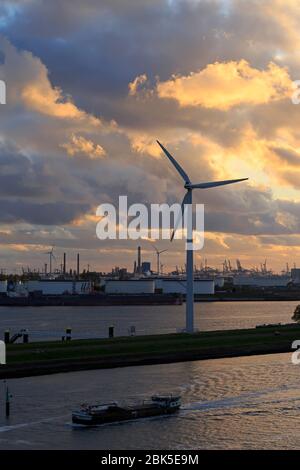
{"x": 77, "y": 355}
{"x": 76, "y": 366}
{"x": 145, "y": 300}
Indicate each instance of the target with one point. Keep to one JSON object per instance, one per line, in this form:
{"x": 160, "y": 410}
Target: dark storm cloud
{"x": 22, "y": 177}
{"x": 27, "y": 188}
{"x": 94, "y": 49}
{"x": 34, "y": 213}
{"x": 250, "y": 212}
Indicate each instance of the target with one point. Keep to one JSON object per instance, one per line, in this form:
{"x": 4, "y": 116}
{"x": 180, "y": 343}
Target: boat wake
{"x": 25, "y": 425}
{"x": 247, "y": 399}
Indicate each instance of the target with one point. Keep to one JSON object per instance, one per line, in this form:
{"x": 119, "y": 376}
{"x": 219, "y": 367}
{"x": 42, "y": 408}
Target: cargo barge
{"x": 92, "y": 415}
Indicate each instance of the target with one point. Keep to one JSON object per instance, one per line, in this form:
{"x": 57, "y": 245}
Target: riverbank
{"x": 110, "y": 300}
{"x": 24, "y": 360}
{"x": 253, "y": 295}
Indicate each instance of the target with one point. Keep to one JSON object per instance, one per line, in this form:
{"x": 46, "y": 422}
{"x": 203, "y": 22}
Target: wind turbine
{"x": 158, "y": 253}
{"x": 188, "y": 200}
{"x": 51, "y": 255}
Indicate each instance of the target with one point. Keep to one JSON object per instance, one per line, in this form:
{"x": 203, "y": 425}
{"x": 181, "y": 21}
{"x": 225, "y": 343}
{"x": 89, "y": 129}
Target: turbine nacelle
{"x": 187, "y": 182}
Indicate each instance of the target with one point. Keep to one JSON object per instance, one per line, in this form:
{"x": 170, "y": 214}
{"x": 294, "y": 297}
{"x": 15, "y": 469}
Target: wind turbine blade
{"x": 162, "y": 251}
{"x": 177, "y": 166}
{"x": 180, "y": 216}
{"x": 213, "y": 184}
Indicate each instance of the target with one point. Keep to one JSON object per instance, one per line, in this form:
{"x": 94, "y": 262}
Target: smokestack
{"x": 78, "y": 264}
{"x": 64, "y": 265}
{"x": 139, "y": 260}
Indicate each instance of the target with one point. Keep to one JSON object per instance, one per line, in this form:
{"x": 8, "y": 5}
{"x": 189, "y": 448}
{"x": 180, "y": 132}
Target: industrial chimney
{"x": 64, "y": 264}
{"x": 78, "y": 271}
{"x": 139, "y": 268}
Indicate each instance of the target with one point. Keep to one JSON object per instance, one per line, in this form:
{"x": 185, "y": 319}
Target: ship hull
{"x": 91, "y": 300}
{"x": 122, "y": 415}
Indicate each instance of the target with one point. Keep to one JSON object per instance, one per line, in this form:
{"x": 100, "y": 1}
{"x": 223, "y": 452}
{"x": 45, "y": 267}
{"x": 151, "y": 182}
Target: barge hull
{"x": 124, "y": 415}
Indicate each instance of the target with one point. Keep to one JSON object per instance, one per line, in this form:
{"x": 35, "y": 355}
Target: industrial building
{"x": 59, "y": 287}
{"x": 3, "y": 287}
{"x": 178, "y": 286}
{"x": 295, "y": 275}
{"x": 130, "y": 286}
{"x": 219, "y": 281}
{"x": 146, "y": 267}
{"x": 165, "y": 285}
{"x": 262, "y": 281}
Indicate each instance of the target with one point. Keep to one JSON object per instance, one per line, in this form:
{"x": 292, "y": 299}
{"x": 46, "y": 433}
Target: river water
{"x": 87, "y": 322}
{"x": 238, "y": 403}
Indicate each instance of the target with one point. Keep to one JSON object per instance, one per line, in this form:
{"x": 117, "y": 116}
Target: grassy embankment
{"x": 55, "y": 356}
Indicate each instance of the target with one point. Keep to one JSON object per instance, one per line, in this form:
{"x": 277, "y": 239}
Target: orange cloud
{"x": 41, "y": 97}
{"x": 144, "y": 143}
{"x": 136, "y": 84}
{"x": 228, "y": 84}
{"x": 80, "y": 145}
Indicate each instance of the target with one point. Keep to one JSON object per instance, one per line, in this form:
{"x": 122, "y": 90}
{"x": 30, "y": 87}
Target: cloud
{"x": 41, "y": 214}
{"x": 224, "y": 85}
{"x": 32, "y": 89}
{"x": 80, "y": 145}
{"x": 44, "y": 99}
{"x": 288, "y": 155}
{"x": 40, "y": 129}
{"x": 102, "y": 80}
{"x": 144, "y": 143}
{"x": 136, "y": 84}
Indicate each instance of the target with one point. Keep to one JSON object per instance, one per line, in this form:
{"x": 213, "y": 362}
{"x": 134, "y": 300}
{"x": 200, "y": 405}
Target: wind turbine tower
{"x": 158, "y": 253}
{"x": 51, "y": 256}
{"x": 188, "y": 200}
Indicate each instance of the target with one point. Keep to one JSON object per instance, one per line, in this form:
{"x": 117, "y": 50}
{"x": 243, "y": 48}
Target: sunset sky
{"x": 92, "y": 84}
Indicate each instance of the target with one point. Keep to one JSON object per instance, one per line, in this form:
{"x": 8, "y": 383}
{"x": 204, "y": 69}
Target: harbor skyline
{"x": 149, "y": 257}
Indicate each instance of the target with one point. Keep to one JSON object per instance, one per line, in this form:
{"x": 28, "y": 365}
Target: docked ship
{"x": 91, "y": 415}
{"x": 89, "y": 300}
